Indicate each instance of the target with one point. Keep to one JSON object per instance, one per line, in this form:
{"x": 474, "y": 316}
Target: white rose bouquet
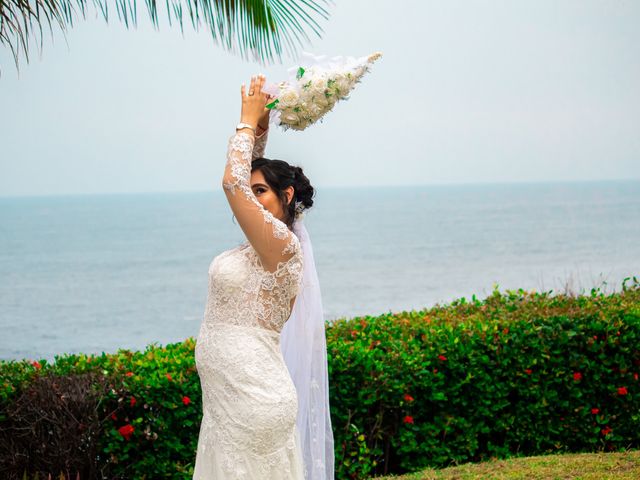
{"x": 317, "y": 86}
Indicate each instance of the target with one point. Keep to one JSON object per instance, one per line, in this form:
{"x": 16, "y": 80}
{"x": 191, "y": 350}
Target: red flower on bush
{"x": 622, "y": 391}
{"x": 595, "y": 410}
{"x": 169, "y": 377}
{"x": 354, "y": 333}
{"x": 126, "y": 431}
{"x": 408, "y": 397}
{"x": 36, "y": 364}
{"x": 186, "y": 400}
{"x": 408, "y": 419}
{"x": 606, "y": 431}
{"x": 129, "y": 374}
{"x": 528, "y": 371}
{"x": 435, "y": 370}
{"x": 113, "y": 416}
{"x": 132, "y": 401}
{"x": 442, "y": 357}
{"x": 635, "y": 376}
{"x": 577, "y": 376}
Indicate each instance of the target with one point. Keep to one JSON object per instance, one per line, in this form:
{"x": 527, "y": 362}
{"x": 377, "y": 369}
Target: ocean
{"x": 94, "y": 273}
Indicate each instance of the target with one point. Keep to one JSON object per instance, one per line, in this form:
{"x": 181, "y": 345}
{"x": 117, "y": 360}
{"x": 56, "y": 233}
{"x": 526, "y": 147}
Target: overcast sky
{"x": 466, "y": 92}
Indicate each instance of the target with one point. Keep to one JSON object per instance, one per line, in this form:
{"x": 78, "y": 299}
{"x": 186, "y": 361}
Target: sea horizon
{"x": 338, "y": 187}
{"x": 102, "y": 271}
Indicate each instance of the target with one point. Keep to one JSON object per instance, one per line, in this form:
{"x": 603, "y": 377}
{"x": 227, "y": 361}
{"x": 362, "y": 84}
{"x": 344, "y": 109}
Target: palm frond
{"x": 254, "y": 29}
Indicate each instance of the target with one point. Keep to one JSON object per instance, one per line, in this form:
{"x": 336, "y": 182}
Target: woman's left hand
{"x": 263, "y": 123}
{"x": 254, "y": 103}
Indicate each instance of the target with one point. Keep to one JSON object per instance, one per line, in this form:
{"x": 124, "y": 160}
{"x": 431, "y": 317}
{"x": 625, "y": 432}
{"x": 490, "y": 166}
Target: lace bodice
{"x": 255, "y": 283}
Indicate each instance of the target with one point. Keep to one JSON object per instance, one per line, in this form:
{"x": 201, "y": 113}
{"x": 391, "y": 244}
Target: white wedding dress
{"x": 249, "y": 401}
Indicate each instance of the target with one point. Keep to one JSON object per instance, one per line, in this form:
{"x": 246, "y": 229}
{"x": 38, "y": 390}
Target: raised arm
{"x": 269, "y": 236}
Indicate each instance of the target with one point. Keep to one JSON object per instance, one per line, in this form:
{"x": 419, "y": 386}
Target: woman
{"x": 249, "y": 400}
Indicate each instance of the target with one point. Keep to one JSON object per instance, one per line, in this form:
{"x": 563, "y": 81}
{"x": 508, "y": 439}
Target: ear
{"x": 290, "y": 192}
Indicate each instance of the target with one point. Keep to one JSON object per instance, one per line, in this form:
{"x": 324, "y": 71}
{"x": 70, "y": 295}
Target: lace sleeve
{"x": 260, "y": 145}
{"x": 269, "y": 236}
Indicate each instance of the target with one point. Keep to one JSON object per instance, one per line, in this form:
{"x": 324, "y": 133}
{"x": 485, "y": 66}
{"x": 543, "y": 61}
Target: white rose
{"x": 289, "y": 98}
{"x": 290, "y": 117}
{"x": 318, "y": 82}
{"x": 315, "y": 110}
{"x": 343, "y": 85}
{"x": 318, "y": 86}
{"x": 321, "y": 100}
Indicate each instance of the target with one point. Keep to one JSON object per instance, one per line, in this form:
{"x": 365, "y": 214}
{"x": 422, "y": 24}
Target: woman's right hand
{"x": 254, "y": 105}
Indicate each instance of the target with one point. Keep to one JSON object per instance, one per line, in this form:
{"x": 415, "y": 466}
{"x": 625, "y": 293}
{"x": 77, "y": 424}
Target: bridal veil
{"x": 304, "y": 349}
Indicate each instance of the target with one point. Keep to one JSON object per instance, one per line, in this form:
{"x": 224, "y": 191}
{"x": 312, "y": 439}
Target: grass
{"x": 576, "y": 466}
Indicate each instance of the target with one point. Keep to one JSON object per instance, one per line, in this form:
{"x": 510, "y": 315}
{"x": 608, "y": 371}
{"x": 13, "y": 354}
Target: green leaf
{"x": 300, "y": 73}
{"x": 256, "y": 29}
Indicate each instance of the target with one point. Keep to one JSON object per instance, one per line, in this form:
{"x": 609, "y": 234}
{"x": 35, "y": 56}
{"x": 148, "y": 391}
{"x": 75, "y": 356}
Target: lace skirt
{"x": 249, "y": 404}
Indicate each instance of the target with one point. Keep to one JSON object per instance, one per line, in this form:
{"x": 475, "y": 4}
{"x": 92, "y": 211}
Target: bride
{"x": 264, "y": 387}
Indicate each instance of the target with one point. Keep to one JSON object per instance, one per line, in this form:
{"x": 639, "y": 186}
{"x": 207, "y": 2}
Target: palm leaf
{"x": 254, "y": 29}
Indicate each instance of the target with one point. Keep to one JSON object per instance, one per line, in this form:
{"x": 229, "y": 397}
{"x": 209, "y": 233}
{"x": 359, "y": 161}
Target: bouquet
{"x": 316, "y": 87}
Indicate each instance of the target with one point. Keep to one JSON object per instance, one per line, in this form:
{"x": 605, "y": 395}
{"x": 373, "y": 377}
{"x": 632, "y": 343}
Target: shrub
{"x": 519, "y": 373}
{"x": 52, "y": 426}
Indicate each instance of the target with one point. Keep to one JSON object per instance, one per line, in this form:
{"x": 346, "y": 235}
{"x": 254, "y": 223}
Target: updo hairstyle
{"x": 279, "y": 175}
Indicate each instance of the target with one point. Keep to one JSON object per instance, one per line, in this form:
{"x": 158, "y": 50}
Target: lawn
{"x": 582, "y": 466}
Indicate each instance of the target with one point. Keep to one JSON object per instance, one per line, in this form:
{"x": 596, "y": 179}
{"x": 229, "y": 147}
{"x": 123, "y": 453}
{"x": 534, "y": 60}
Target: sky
{"x": 466, "y": 92}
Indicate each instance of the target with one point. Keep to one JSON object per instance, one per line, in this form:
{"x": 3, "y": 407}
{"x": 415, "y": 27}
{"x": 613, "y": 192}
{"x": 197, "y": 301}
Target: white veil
{"x": 304, "y": 349}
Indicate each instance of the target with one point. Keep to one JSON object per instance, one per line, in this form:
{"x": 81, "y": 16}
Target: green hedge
{"x": 516, "y": 373}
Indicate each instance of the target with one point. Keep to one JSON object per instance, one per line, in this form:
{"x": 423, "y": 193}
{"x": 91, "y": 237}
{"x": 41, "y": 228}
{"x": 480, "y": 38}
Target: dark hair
{"x": 279, "y": 175}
